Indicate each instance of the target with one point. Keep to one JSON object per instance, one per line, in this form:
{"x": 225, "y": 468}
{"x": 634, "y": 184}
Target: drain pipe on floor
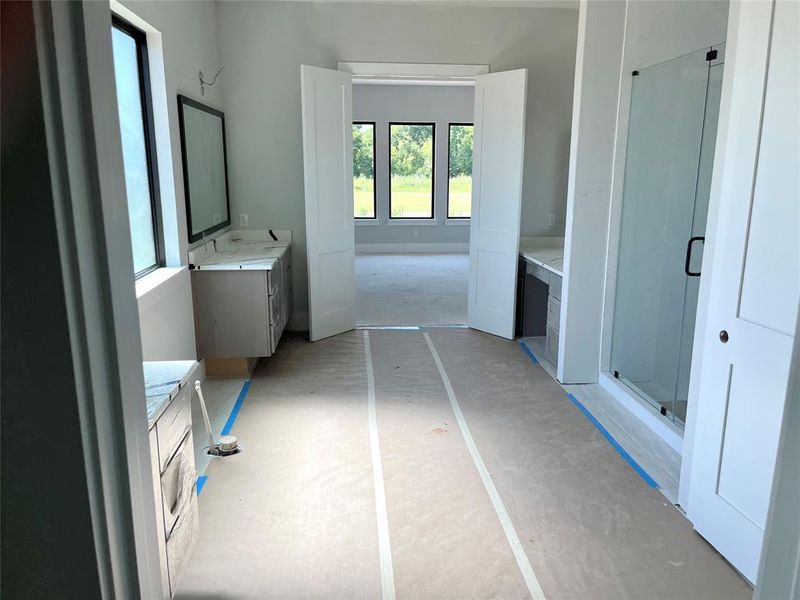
{"x": 228, "y": 444}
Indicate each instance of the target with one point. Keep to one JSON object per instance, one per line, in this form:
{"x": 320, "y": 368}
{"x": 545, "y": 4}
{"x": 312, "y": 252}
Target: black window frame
{"x": 148, "y": 125}
{"x": 186, "y": 101}
{"x": 433, "y": 169}
{"x": 449, "y": 129}
{"x": 374, "y": 172}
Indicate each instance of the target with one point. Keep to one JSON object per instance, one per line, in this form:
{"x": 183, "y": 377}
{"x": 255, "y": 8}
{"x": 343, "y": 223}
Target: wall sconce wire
{"x": 204, "y": 83}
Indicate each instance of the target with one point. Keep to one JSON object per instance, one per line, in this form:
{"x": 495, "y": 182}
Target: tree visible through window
{"x": 130, "y": 64}
{"x": 411, "y": 170}
{"x": 459, "y": 167}
{"x": 364, "y": 170}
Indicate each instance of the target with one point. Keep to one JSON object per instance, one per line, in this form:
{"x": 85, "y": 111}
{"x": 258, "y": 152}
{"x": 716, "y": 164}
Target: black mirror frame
{"x": 185, "y": 101}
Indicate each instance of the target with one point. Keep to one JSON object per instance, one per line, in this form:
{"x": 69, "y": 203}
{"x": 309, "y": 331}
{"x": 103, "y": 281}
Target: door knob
{"x": 723, "y": 336}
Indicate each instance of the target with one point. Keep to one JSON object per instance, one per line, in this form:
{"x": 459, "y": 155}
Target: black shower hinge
{"x": 616, "y": 374}
{"x": 663, "y": 411}
{"x": 635, "y": 73}
{"x": 711, "y": 55}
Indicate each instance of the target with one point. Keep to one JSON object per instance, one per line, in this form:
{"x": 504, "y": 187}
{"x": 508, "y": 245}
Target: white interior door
{"x": 754, "y": 286}
{"x": 497, "y": 162}
{"x": 327, "y": 109}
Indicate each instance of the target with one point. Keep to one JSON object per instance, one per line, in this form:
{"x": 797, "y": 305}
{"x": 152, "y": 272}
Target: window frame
{"x": 148, "y": 126}
{"x": 374, "y": 216}
{"x": 433, "y": 170}
{"x": 449, "y": 129}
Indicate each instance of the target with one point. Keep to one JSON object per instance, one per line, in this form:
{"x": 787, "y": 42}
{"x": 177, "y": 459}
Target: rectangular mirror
{"x": 205, "y": 169}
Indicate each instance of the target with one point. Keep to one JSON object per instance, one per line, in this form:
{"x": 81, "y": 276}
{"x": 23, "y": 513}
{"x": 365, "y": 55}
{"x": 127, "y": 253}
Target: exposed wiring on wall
{"x": 204, "y": 83}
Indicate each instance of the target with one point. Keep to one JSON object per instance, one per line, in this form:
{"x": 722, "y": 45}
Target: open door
{"x": 327, "y": 111}
{"x": 754, "y": 286}
{"x": 496, "y": 200}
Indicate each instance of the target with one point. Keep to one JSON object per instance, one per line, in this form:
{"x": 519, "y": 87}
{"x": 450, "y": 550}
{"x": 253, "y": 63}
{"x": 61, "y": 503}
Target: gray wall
{"x": 436, "y": 104}
{"x": 263, "y": 45}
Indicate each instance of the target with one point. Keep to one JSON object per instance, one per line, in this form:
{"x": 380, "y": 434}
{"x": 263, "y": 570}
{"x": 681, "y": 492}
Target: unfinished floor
{"x": 495, "y": 485}
{"x": 411, "y": 289}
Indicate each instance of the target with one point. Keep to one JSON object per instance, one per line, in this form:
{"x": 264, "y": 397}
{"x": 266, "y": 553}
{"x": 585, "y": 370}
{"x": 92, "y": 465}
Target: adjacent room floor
{"x": 437, "y": 463}
{"x": 411, "y": 289}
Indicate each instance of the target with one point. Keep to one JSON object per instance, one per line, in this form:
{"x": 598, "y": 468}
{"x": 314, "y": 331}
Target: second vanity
{"x": 241, "y": 288}
{"x": 541, "y": 267}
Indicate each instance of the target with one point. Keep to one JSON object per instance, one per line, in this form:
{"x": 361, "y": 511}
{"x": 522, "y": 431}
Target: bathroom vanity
{"x": 539, "y": 294}
{"x": 241, "y": 288}
{"x": 169, "y": 418}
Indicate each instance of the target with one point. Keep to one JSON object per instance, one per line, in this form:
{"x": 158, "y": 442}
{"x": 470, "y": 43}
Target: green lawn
{"x": 411, "y": 197}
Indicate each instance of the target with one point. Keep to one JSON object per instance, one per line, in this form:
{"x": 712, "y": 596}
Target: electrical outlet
{"x": 243, "y": 220}
{"x": 551, "y": 219}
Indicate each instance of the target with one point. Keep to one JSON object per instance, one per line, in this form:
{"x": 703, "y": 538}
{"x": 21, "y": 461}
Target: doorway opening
{"x": 412, "y": 196}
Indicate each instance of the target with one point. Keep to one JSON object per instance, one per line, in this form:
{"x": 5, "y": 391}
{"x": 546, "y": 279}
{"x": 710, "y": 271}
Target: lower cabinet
{"x": 174, "y": 480}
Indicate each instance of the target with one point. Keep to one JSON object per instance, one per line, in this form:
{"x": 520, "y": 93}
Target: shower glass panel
{"x": 671, "y": 135}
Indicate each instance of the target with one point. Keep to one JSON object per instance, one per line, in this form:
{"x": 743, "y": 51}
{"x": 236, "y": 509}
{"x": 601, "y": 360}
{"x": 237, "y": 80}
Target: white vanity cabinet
{"x": 242, "y": 312}
{"x": 173, "y": 469}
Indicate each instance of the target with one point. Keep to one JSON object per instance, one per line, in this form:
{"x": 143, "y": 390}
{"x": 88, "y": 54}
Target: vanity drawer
{"x": 178, "y": 485}
{"x": 551, "y": 345}
{"x": 181, "y": 541}
{"x": 538, "y": 271}
{"x": 173, "y": 425}
{"x": 553, "y": 312}
{"x": 555, "y": 286}
{"x": 275, "y": 278}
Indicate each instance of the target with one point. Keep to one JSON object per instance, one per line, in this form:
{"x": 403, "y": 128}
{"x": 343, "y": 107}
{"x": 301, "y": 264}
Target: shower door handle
{"x": 692, "y": 240}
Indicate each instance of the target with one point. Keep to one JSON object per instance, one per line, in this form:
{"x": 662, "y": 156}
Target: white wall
{"x": 434, "y": 104}
{"x": 184, "y": 35}
{"x": 619, "y": 37}
{"x": 263, "y": 45}
{"x": 166, "y": 318}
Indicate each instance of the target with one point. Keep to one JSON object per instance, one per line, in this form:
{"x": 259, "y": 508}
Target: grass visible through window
{"x": 364, "y": 170}
{"x": 411, "y": 193}
{"x": 459, "y": 167}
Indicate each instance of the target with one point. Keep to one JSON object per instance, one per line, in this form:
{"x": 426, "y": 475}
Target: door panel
{"x": 754, "y": 285}
{"x": 496, "y": 200}
{"x": 328, "y": 163}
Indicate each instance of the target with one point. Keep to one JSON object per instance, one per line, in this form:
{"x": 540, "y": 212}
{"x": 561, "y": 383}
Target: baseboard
{"x": 419, "y": 248}
{"x": 646, "y": 414}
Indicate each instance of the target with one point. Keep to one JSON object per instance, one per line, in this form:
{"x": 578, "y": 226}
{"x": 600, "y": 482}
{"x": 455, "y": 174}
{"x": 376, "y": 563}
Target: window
{"x": 138, "y": 150}
{"x": 364, "y": 170}
{"x": 459, "y": 171}
{"x": 411, "y": 170}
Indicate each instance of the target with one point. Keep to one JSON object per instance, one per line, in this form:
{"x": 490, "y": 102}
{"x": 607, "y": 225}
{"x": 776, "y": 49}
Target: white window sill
{"x": 413, "y": 222}
{"x": 154, "y": 286}
{"x": 368, "y": 222}
{"x": 457, "y": 222}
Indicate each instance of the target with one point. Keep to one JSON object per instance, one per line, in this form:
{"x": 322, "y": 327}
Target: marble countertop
{"x": 162, "y": 381}
{"x": 244, "y": 255}
{"x": 547, "y": 252}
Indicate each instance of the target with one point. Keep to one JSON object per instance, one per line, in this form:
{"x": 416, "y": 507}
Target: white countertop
{"x": 163, "y": 380}
{"x": 547, "y": 252}
{"x": 245, "y": 250}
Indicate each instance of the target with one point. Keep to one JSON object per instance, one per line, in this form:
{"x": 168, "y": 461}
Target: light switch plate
{"x": 243, "y": 220}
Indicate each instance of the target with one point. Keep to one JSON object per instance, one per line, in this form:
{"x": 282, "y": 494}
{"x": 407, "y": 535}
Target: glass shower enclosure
{"x": 670, "y": 152}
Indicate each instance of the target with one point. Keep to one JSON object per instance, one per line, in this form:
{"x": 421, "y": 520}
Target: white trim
{"x": 422, "y": 248}
{"x": 502, "y": 514}
{"x": 384, "y": 546}
{"x": 464, "y": 222}
{"x": 368, "y": 222}
{"x": 669, "y": 433}
{"x": 412, "y": 73}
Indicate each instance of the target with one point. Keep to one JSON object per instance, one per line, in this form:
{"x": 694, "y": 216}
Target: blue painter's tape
{"x": 235, "y": 410}
{"x": 529, "y": 352}
{"x": 201, "y": 482}
{"x": 622, "y": 452}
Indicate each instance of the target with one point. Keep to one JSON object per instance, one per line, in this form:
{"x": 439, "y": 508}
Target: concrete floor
{"x": 411, "y": 289}
{"x": 465, "y": 456}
